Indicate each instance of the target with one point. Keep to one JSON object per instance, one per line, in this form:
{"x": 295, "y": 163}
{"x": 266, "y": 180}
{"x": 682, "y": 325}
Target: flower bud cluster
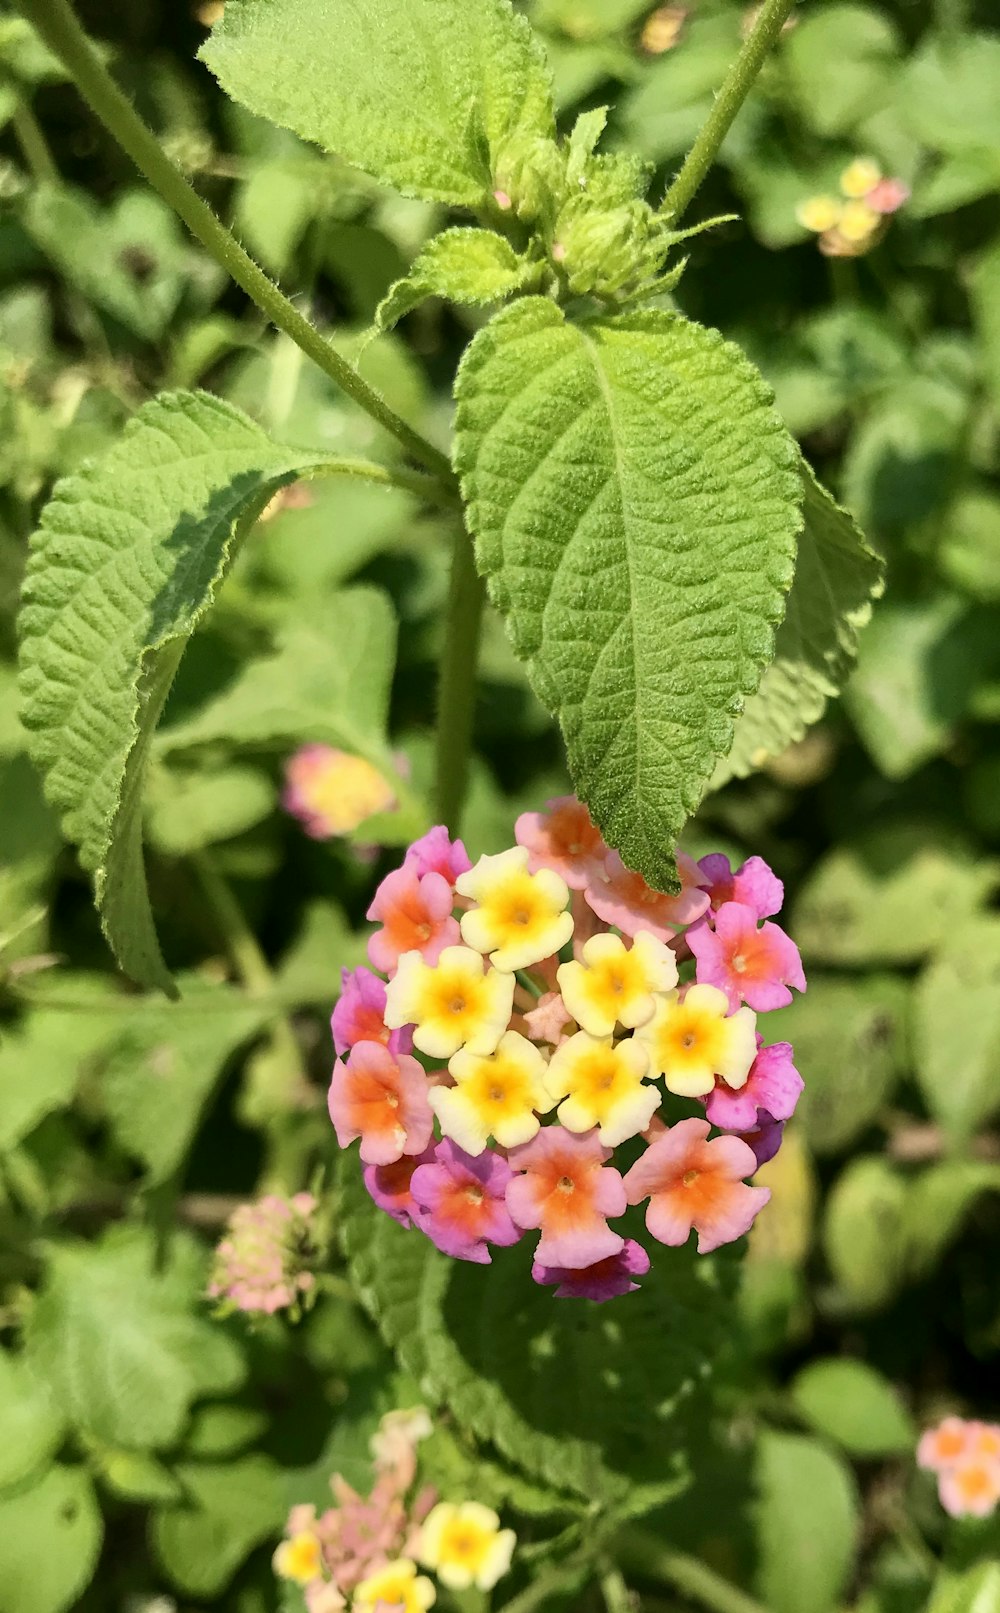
{"x": 264, "y": 1263}
{"x": 537, "y": 1010}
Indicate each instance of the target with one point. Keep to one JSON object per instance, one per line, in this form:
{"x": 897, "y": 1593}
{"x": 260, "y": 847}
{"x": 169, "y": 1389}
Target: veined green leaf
{"x": 635, "y": 500}
{"x": 836, "y": 578}
{"x": 126, "y": 561}
{"x": 579, "y": 1400}
{"x": 465, "y": 266}
{"x": 423, "y": 94}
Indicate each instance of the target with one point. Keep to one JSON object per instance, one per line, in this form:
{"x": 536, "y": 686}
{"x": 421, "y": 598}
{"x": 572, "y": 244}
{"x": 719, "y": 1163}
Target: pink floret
{"x": 415, "y": 913}
{"x": 605, "y": 1279}
{"x": 773, "y": 1084}
{"x": 359, "y": 1014}
{"x": 750, "y": 963}
{"x": 755, "y": 885}
{"x": 460, "y": 1202}
{"x": 436, "y": 853}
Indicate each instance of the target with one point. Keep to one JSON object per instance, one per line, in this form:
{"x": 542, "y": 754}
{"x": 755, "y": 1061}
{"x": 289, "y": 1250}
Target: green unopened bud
{"x": 606, "y": 253}
{"x": 529, "y": 178}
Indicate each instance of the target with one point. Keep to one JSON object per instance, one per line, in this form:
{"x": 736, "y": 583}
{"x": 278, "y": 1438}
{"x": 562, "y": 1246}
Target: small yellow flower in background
{"x": 464, "y": 1544}
{"x": 819, "y": 213}
{"x": 858, "y": 221}
{"x": 498, "y": 1095}
{"x": 457, "y": 1002}
{"x": 602, "y": 1085}
{"x": 859, "y": 177}
{"x": 298, "y": 1559}
{"x": 614, "y": 985}
{"x": 692, "y": 1040}
{"x": 332, "y": 792}
{"x": 519, "y": 918}
{"x": 397, "y": 1584}
{"x": 662, "y": 29}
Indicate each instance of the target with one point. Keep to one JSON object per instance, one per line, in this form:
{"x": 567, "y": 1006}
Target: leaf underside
{"x": 125, "y": 563}
{"x": 635, "y": 500}
{"x": 837, "y": 577}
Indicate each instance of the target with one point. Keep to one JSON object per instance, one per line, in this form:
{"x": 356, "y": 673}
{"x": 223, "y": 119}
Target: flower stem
{"x": 58, "y": 27}
{"x": 645, "y": 1554}
{"x": 736, "y": 87}
{"x": 33, "y": 144}
{"x": 457, "y": 680}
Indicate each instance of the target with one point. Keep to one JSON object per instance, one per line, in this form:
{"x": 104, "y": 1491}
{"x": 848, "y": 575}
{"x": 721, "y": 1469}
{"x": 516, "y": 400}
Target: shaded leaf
{"x": 864, "y": 1232}
{"x": 50, "y": 1537}
{"x": 229, "y": 1508}
{"x": 958, "y": 1028}
{"x": 939, "y": 1201}
{"x": 855, "y": 1406}
{"x": 807, "y": 1519}
{"x": 32, "y": 1427}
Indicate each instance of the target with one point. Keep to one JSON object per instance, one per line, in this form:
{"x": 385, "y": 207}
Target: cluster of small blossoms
{"x": 366, "y": 1551}
{"x": 264, "y": 1263}
{"x": 848, "y": 225}
{"x": 331, "y": 792}
{"x": 549, "y": 991}
{"x": 965, "y": 1456}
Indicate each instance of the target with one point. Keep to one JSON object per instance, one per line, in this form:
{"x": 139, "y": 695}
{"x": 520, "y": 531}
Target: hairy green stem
{"x": 736, "y": 86}
{"x": 616, "y": 1594}
{"x": 457, "y": 681}
{"x": 653, "y": 1558}
{"x": 58, "y": 27}
{"x": 33, "y": 144}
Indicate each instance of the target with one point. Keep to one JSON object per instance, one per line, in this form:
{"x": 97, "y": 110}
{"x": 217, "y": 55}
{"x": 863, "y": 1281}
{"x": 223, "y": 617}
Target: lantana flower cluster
{"x": 332, "y": 792}
{"x": 265, "y": 1262}
{"x": 367, "y": 1551}
{"x": 965, "y": 1456}
{"x": 848, "y": 225}
{"x": 505, "y": 1069}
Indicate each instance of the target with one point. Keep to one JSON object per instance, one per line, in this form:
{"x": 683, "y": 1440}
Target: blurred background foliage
{"x": 161, "y": 1456}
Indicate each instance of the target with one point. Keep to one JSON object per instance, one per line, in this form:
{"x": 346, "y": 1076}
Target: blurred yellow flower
{"x": 859, "y": 177}
{"x": 819, "y": 213}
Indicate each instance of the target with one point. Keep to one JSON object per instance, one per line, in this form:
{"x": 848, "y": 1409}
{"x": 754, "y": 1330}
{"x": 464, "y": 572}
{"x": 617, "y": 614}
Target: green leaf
{"x": 230, "y": 1509}
{"x": 947, "y": 94}
{"x": 224, "y": 1429}
{"x": 892, "y": 895}
{"x": 836, "y": 578}
{"x": 958, "y": 1028}
{"x": 969, "y": 554}
{"x": 975, "y": 1591}
{"x": 464, "y": 266}
{"x": 864, "y": 45}
{"x": 634, "y": 499}
{"x": 919, "y": 666}
{"x": 807, "y": 1517}
{"x": 956, "y": 181}
{"x": 580, "y": 1400}
{"x": 41, "y": 1061}
{"x": 984, "y": 292}
{"x": 849, "y": 1038}
{"x": 855, "y": 1406}
{"x": 126, "y": 561}
{"x": 864, "y": 1232}
{"x": 32, "y": 1427}
{"x": 419, "y": 93}
{"x": 164, "y": 1067}
{"x": 50, "y": 1537}
{"x": 191, "y": 808}
{"x": 119, "y": 1345}
{"x": 135, "y": 1475}
{"x": 939, "y": 1201}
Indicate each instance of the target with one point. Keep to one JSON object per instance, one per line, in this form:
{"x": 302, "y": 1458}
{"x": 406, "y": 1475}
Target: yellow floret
{"x": 298, "y": 1559}
{"x": 602, "y": 1085}
{"x": 498, "y": 1095}
{"x": 399, "y": 1584}
{"x": 859, "y": 177}
{"x": 519, "y": 918}
{"x": 464, "y": 1544}
{"x": 692, "y": 1041}
{"x": 614, "y": 985}
{"x": 457, "y": 1002}
{"x": 858, "y": 221}
{"x": 819, "y": 213}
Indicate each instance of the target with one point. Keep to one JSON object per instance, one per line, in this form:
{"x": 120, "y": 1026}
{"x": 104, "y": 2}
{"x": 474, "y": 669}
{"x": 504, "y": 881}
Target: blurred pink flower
{"x": 263, "y": 1262}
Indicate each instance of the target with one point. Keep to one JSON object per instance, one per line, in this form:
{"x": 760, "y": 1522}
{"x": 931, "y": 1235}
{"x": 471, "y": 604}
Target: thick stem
{"x": 58, "y": 27}
{"x": 457, "y": 686}
{"x": 736, "y": 87}
{"x": 34, "y": 146}
{"x": 646, "y": 1555}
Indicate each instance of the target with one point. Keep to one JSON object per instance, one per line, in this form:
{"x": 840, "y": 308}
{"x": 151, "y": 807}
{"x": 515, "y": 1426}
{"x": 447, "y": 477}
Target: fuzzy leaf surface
{"x": 125, "y": 563}
{"x": 635, "y": 500}
{"x": 464, "y": 266}
{"x": 422, "y": 94}
{"x": 837, "y": 576}
{"x": 578, "y": 1400}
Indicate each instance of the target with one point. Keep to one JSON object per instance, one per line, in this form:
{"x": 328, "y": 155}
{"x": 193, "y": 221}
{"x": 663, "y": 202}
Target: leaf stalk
{"x": 57, "y": 25}
{"x": 736, "y": 86}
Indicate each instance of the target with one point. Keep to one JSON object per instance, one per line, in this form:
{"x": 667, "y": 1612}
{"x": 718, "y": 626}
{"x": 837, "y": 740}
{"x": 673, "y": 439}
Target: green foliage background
{"x": 149, "y": 1450}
